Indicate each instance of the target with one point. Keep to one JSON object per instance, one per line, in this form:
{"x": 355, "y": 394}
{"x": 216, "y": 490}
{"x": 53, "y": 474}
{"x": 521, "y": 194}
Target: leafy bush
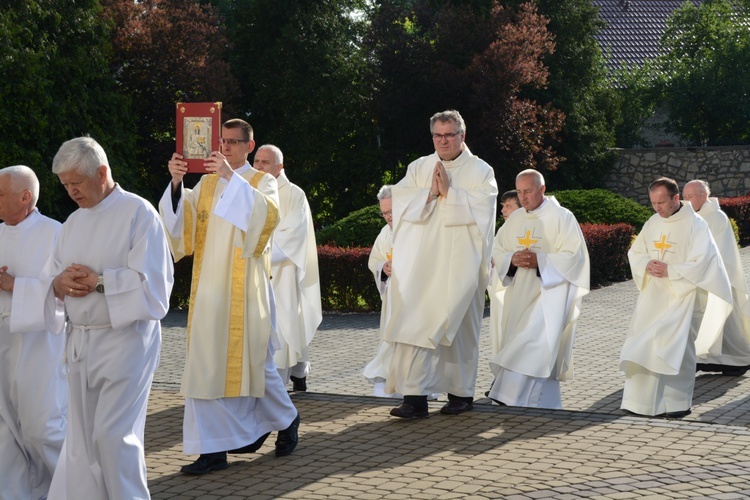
{"x": 599, "y": 206}
{"x": 346, "y": 283}
{"x": 358, "y": 229}
{"x": 608, "y": 246}
{"x": 738, "y": 209}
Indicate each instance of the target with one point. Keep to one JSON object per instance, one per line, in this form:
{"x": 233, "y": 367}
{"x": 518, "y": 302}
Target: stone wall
{"x": 726, "y": 168}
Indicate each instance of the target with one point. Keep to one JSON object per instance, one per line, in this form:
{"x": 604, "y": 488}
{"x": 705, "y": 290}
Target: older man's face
{"x": 530, "y": 193}
{"x": 695, "y": 195}
{"x": 265, "y": 161}
{"x": 447, "y": 139}
{"x": 86, "y": 191}
{"x": 12, "y": 207}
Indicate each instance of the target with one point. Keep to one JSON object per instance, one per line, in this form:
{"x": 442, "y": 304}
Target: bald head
{"x": 696, "y": 192}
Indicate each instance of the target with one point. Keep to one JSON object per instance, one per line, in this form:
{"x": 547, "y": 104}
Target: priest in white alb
{"x": 685, "y": 297}
{"x": 294, "y": 271}
{"x": 33, "y": 386}
{"x": 443, "y": 224}
{"x": 112, "y": 269}
{"x": 234, "y": 396}
{"x": 734, "y": 358}
{"x": 542, "y": 267}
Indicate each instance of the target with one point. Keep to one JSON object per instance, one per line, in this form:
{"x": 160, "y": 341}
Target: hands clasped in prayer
{"x": 657, "y": 269}
{"x": 525, "y": 258}
{"x": 76, "y": 280}
{"x": 440, "y": 181}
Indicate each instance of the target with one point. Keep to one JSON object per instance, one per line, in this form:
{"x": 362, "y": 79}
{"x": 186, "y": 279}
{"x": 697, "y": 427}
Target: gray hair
{"x": 703, "y": 184}
{"x": 450, "y": 115}
{"x": 385, "y": 192}
{"x": 530, "y": 172}
{"x": 278, "y": 155}
{"x": 21, "y": 179}
{"x": 82, "y": 154}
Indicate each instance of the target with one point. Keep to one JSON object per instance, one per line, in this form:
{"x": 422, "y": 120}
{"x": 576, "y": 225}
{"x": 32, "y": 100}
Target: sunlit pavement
{"x": 351, "y": 448}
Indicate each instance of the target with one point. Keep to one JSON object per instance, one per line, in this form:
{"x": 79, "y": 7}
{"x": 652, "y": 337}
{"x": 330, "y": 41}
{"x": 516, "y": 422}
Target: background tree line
{"x": 345, "y": 88}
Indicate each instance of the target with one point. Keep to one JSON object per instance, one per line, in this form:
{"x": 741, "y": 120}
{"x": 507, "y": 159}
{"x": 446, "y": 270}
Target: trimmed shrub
{"x": 599, "y": 206}
{"x": 346, "y": 283}
{"x": 738, "y": 209}
{"x": 608, "y": 246}
{"x": 358, "y": 229}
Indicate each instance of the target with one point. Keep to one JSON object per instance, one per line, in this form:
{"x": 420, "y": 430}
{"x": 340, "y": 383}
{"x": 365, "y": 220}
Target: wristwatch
{"x": 100, "y": 284}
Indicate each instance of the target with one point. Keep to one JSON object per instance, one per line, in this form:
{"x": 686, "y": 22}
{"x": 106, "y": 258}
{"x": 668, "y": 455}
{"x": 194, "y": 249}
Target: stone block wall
{"x": 726, "y": 168}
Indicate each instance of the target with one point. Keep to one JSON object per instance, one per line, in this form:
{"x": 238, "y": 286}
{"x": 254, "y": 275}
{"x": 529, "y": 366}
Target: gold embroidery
{"x": 208, "y": 186}
{"x": 235, "y": 342}
{"x": 527, "y": 241}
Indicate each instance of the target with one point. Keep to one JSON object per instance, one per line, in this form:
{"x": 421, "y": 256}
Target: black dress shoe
{"x": 287, "y": 439}
{"x": 675, "y": 414}
{"x": 252, "y": 447}
{"x": 734, "y": 371}
{"x": 207, "y": 462}
{"x": 408, "y": 411}
{"x": 299, "y": 384}
{"x": 456, "y": 407}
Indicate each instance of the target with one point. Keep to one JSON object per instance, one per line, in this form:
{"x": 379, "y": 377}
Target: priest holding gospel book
{"x": 234, "y": 396}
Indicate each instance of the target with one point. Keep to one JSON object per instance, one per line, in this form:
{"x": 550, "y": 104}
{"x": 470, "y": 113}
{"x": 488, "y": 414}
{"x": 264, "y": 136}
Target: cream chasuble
{"x": 533, "y": 326}
{"x": 735, "y": 348}
{"x": 441, "y": 251}
{"x": 661, "y": 323}
{"x": 295, "y": 282}
{"x": 441, "y": 255}
{"x": 228, "y": 330}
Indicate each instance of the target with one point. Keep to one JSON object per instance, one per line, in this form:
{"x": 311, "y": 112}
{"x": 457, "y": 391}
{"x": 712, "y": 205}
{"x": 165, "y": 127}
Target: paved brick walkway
{"x": 350, "y": 447}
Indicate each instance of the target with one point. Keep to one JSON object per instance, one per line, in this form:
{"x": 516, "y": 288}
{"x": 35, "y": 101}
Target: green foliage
{"x": 358, "y": 229}
{"x": 599, "y": 206}
{"x": 345, "y": 280}
{"x": 306, "y": 86}
{"x": 477, "y": 57}
{"x": 637, "y": 98}
{"x": 578, "y": 86}
{"x": 56, "y": 85}
{"x": 608, "y": 246}
{"x": 707, "y": 73}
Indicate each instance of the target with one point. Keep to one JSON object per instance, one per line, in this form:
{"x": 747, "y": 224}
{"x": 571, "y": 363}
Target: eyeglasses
{"x": 232, "y": 142}
{"x": 387, "y": 214}
{"x": 440, "y": 137}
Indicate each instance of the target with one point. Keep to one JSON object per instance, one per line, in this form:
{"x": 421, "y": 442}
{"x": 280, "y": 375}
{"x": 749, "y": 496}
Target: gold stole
{"x": 233, "y": 379}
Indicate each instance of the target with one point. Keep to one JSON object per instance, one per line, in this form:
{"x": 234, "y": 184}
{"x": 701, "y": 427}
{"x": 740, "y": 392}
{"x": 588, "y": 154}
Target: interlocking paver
{"x": 350, "y": 447}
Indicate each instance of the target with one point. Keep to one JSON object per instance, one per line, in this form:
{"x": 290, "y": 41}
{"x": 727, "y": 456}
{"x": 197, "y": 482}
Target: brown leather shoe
{"x": 456, "y": 407}
{"x": 408, "y": 411}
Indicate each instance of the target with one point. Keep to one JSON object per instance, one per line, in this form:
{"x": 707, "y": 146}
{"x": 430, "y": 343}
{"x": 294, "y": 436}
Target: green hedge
{"x": 358, "y": 229}
{"x": 599, "y": 206}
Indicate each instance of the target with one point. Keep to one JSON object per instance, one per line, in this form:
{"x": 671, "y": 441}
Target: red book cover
{"x": 198, "y": 128}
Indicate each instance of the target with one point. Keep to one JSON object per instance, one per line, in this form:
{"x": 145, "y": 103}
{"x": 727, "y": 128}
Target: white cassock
{"x": 735, "y": 346}
{"x": 674, "y": 315}
{"x": 441, "y": 255}
{"x": 295, "y": 281}
{"x": 376, "y": 370}
{"x": 533, "y": 323}
{"x": 33, "y": 387}
{"x": 113, "y": 344}
{"x": 233, "y": 392}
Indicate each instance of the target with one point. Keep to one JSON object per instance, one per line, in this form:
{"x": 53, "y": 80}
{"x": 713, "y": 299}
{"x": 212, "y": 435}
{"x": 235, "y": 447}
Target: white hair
{"x": 278, "y": 155}
{"x": 385, "y": 192}
{"x": 705, "y": 188}
{"x": 82, "y": 154}
{"x": 22, "y": 178}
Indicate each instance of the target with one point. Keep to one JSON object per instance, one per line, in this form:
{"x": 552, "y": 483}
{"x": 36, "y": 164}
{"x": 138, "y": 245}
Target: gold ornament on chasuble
{"x": 527, "y": 241}
{"x": 237, "y": 300}
{"x": 662, "y": 246}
